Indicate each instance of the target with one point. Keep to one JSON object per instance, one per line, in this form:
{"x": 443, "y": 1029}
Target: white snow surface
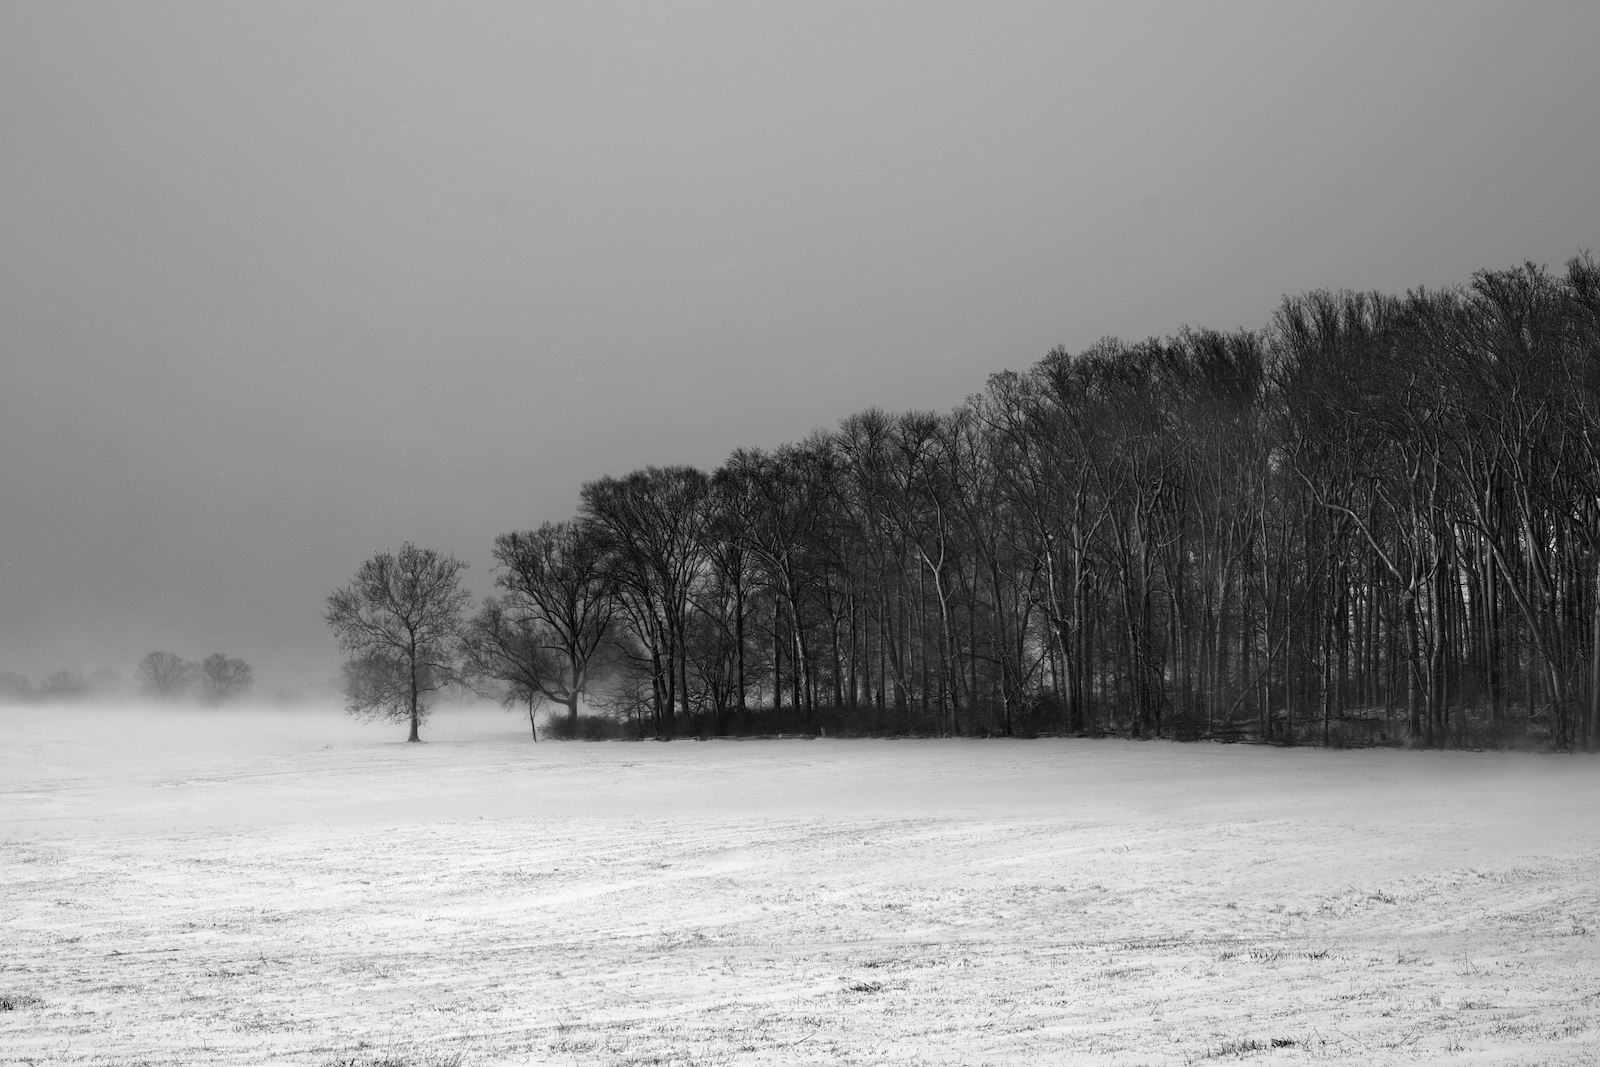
{"x": 255, "y": 886}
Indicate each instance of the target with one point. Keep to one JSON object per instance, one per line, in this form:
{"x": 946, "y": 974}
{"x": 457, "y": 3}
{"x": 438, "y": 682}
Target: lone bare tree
{"x": 165, "y": 675}
{"x": 399, "y": 620}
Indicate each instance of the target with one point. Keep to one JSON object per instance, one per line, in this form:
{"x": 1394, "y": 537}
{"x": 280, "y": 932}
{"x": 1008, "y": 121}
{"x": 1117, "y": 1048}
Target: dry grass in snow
{"x": 259, "y": 887}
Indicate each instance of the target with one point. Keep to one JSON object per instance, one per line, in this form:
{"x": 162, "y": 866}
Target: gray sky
{"x": 284, "y": 284}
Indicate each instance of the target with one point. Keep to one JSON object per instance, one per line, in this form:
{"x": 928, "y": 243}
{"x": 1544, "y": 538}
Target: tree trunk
{"x": 414, "y": 717}
{"x": 669, "y": 696}
{"x": 1592, "y": 737}
{"x": 1413, "y": 693}
{"x": 683, "y": 676}
{"x": 777, "y": 658}
{"x": 738, "y": 638}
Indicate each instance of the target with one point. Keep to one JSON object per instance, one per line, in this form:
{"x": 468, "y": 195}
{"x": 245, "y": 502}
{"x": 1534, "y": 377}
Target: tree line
{"x": 161, "y": 676}
{"x": 62, "y": 686}
{"x": 217, "y": 679}
{"x": 1375, "y": 520}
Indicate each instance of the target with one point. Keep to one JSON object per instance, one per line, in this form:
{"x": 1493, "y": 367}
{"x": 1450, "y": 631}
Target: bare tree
{"x": 785, "y": 507}
{"x": 558, "y": 594}
{"x": 502, "y": 647}
{"x": 652, "y": 525}
{"x": 64, "y": 685}
{"x": 165, "y": 675}
{"x": 223, "y": 678}
{"x": 103, "y": 682}
{"x": 399, "y": 620}
{"x": 15, "y": 688}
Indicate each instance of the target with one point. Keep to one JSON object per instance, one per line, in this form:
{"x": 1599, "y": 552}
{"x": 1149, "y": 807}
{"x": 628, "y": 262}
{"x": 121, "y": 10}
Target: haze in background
{"x": 284, "y": 284}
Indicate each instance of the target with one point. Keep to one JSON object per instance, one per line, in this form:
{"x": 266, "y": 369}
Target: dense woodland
{"x": 1375, "y": 520}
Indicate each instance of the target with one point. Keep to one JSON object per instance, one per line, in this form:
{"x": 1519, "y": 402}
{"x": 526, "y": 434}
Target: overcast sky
{"x": 284, "y": 284}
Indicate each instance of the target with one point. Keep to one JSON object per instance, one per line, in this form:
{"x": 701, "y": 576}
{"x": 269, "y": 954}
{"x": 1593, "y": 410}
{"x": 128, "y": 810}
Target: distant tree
{"x": 63, "y": 685}
{"x": 400, "y": 622}
{"x": 165, "y": 675}
{"x": 104, "y": 682}
{"x": 222, "y": 677}
{"x": 15, "y": 688}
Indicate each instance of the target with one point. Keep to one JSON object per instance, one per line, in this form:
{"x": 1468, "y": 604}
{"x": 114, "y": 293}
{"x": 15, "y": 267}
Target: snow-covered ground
{"x": 255, "y": 887}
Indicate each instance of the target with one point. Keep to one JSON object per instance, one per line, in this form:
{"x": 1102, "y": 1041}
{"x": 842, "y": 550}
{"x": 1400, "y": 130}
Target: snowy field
{"x": 244, "y": 888}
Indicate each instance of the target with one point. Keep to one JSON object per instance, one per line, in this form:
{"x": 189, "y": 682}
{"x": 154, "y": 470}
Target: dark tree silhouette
{"x": 652, "y": 526}
{"x": 1375, "y": 520}
{"x": 558, "y": 597}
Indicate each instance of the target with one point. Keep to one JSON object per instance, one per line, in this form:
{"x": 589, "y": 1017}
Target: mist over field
{"x": 89, "y": 766}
